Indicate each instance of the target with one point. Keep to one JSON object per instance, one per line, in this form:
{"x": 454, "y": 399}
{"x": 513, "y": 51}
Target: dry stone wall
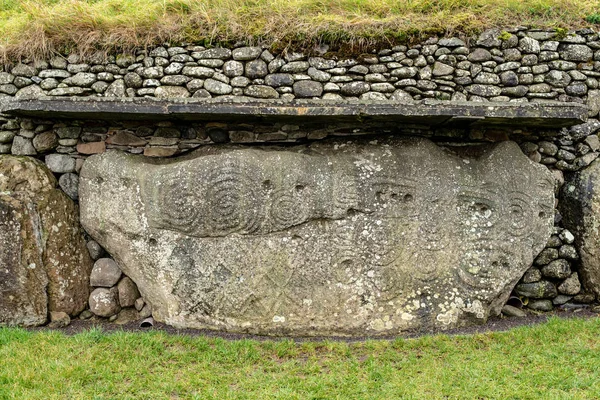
{"x": 517, "y": 65}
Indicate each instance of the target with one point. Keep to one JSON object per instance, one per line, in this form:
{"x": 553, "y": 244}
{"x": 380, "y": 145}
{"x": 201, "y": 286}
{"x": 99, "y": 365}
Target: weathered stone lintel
{"x": 427, "y": 112}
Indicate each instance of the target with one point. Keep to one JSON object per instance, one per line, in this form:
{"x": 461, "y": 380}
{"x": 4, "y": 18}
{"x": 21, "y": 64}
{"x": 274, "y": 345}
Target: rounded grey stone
{"x": 58, "y": 62}
{"x": 441, "y": 69}
{"x": 261, "y": 92}
{"x": 217, "y": 87}
{"x": 240, "y": 82}
{"x": 355, "y": 88}
{"x": 373, "y": 96}
{"x": 70, "y": 132}
{"x": 82, "y": 79}
{"x": 383, "y": 87}
{"x": 168, "y": 92}
{"x": 133, "y": 80}
{"x": 9, "y": 89}
{"x": 479, "y": 55}
{"x": 561, "y": 299}
{"x": 570, "y": 286}
{"x": 488, "y": 78}
{"x": 331, "y": 87}
{"x": 277, "y": 80}
{"x": 509, "y": 78}
{"x": 22, "y": 147}
{"x": 96, "y": 251}
{"x": 511, "y": 311}
{"x": 100, "y": 86}
{"x": 159, "y": 52}
{"x": 537, "y": 290}
{"x": 104, "y": 302}
{"x": 233, "y": 69}
{"x": 557, "y": 78}
{"x": 211, "y": 63}
{"x": 69, "y": 183}
{"x": 558, "y": 269}
{"x": 105, "y": 273}
{"x": 21, "y": 82}
{"x": 175, "y": 50}
{"x": 54, "y": 73}
{"x": 540, "y": 305}
{"x": 321, "y": 63}
{"x": 175, "y": 80}
{"x": 275, "y": 65}
{"x": 318, "y": 75}
{"x": 401, "y": 95}
{"x": 173, "y": 68}
{"x": 404, "y": 72}
{"x": 307, "y": 89}
{"x": 217, "y": 52}
{"x": 358, "y": 70}
{"x": 194, "y": 85}
{"x": 151, "y": 83}
{"x": 24, "y": 70}
{"x": 484, "y": 90}
{"x": 153, "y": 72}
{"x": 116, "y": 89}
{"x": 256, "y": 69}
{"x": 201, "y": 94}
{"x": 546, "y": 256}
{"x": 532, "y": 275}
{"x": 548, "y": 148}
{"x": 295, "y": 67}
{"x": 246, "y": 53}
{"x": 575, "y": 52}
{"x": 198, "y": 72}
{"x": 451, "y": 42}
{"x": 529, "y": 45}
{"x": 568, "y": 252}
{"x": 6, "y": 78}
{"x": 577, "y": 89}
{"x": 128, "y": 292}
{"x": 6, "y": 136}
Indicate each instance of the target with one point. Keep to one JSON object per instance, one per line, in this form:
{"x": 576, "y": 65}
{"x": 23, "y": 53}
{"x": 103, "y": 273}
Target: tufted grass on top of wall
{"x": 38, "y": 28}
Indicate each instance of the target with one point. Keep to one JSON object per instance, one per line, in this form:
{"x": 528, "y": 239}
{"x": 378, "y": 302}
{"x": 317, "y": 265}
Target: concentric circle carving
{"x": 231, "y": 202}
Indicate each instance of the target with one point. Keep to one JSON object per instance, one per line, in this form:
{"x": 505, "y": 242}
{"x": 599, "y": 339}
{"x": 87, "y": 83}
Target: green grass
{"x": 36, "y": 28}
{"x": 556, "y": 360}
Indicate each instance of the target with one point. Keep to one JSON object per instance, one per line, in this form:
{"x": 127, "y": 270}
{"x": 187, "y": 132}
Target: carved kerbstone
{"x": 333, "y": 238}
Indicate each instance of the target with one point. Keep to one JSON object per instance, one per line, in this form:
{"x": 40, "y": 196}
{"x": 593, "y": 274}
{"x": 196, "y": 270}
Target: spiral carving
{"x": 232, "y": 202}
{"x": 181, "y": 213}
{"x": 288, "y": 208}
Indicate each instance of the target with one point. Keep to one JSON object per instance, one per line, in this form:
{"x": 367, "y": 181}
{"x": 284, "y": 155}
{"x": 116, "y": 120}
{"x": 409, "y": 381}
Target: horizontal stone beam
{"x": 426, "y": 112}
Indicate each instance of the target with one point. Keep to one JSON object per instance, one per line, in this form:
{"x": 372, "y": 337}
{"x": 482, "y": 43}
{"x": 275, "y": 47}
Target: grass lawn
{"x": 39, "y": 27}
{"x": 556, "y": 360}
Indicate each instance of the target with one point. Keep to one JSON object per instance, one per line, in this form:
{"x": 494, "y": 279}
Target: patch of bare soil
{"x": 497, "y": 324}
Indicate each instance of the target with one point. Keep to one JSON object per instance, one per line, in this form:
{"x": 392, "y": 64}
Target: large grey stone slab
{"x": 580, "y": 207}
{"x": 44, "y": 262}
{"x": 429, "y": 113}
{"x": 333, "y": 238}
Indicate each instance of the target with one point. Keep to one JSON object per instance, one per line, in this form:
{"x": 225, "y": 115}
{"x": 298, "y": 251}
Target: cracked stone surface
{"x": 44, "y": 262}
{"x": 331, "y": 238}
{"x": 579, "y": 204}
